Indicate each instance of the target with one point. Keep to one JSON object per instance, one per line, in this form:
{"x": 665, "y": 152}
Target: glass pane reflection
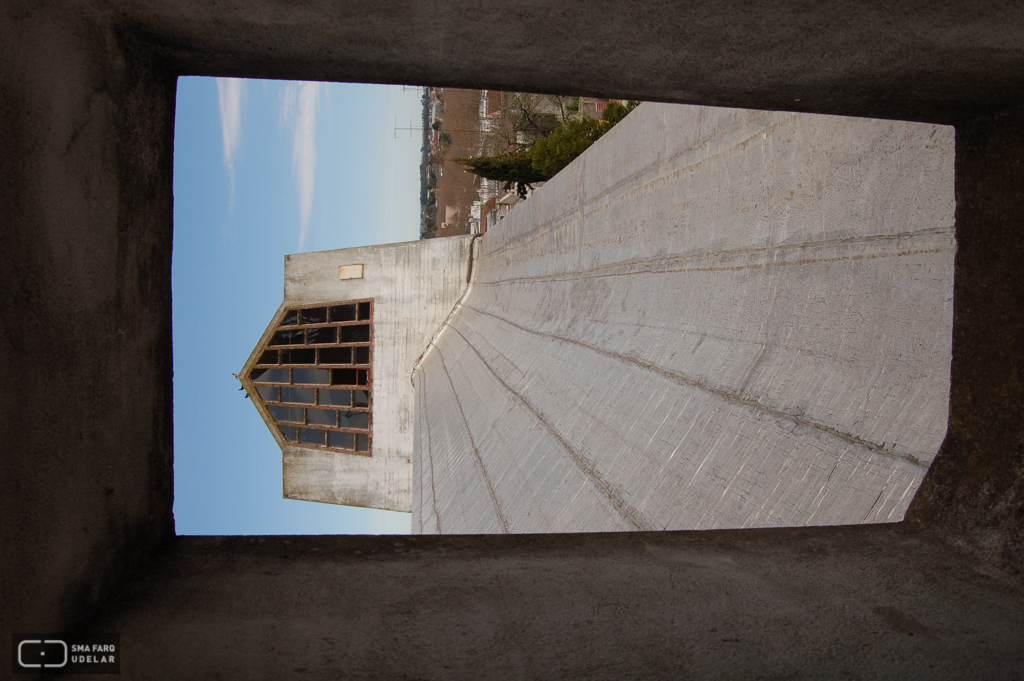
{"x": 269, "y": 375}
{"x": 312, "y": 437}
{"x": 288, "y": 414}
{"x": 298, "y": 395}
{"x": 354, "y": 419}
{"x": 336, "y": 398}
{"x": 322, "y": 417}
{"x": 340, "y": 440}
{"x": 311, "y": 376}
{"x": 314, "y": 315}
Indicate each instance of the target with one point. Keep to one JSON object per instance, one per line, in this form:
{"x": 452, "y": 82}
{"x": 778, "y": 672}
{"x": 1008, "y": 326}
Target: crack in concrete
{"x": 588, "y": 468}
{"x": 664, "y": 265}
{"x": 472, "y": 443}
{"x": 430, "y": 457}
{"x": 725, "y": 394}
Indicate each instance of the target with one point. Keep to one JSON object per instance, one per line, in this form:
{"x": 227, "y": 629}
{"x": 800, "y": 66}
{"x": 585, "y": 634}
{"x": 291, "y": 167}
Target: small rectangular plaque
{"x": 350, "y": 272}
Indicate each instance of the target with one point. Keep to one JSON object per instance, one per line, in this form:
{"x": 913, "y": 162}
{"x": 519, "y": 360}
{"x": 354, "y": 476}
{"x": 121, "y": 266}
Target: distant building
{"x": 714, "y": 318}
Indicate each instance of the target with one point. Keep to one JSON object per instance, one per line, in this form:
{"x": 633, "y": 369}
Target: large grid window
{"x": 315, "y": 376}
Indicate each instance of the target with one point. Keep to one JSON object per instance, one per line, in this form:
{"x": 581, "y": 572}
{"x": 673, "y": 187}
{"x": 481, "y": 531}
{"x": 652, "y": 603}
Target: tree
{"x": 615, "y": 111}
{"x": 546, "y": 155}
{"x": 521, "y": 118}
{"x": 552, "y": 153}
{"x": 512, "y": 169}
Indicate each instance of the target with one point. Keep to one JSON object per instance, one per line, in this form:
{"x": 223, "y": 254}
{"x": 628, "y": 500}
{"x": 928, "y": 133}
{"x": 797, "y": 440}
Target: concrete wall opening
{"x": 769, "y": 293}
{"x": 87, "y": 217}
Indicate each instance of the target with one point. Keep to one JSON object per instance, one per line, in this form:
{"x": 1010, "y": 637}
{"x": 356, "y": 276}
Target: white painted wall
{"x": 414, "y": 286}
{"x": 714, "y": 318}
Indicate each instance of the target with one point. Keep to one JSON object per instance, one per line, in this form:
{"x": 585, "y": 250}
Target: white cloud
{"x": 230, "y": 93}
{"x": 300, "y": 103}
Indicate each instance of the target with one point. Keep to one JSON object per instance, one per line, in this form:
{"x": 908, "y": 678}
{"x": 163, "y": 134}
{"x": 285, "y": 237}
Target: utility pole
{"x": 411, "y": 128}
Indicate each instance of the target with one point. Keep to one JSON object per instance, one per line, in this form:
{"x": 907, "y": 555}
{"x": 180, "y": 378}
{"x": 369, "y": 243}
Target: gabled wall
{"x": 414, "y": 286}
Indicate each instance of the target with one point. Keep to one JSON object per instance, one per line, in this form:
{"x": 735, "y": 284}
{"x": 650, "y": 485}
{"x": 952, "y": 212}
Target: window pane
{"x": 312, "y": 376}
{"x": 269, "y": 375}
{"x": 362, "y": 443}
{"x": 268, "y": 394}
{"x": 362, "y": 378}
{"x": 360, "y": 398}
{"x": 269, "y": 357}
{"x": 362, "y": 355}
{"x": 322, "y": 417}
{"x": 343, "y": 377}
{"x": 314, "y": 315}
{"x": 340, "y": 440}
{"x": 312, "y": 437}
{"x": 289, "y": 433}
{"x": 364, "y": 310}
{"x": 327, "y": 334}
{"x": 291, "y": 318}
{"x": 288, "y": 414}
{"x": 298, "y": 356}
{"x": 289, "y": 337}
{"x": 359, "y": 333}
{"x": 354, "y": 419}
{"x": 336, "y": 356}
{"x": 336, "y": 398}
{"x": 343, "y": 313}
{"x": 297, "y": 395}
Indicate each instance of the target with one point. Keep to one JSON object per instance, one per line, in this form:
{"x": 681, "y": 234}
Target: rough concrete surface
{"x": 974, "y": 494}
{"x": 86, "y": 128}
{"x": 713, "y": 318}
{"x": 928, "y": 60}
{"x": 86, "y": 133}
{"x": 414, "y": 286}
{"x": 857, "y": 603}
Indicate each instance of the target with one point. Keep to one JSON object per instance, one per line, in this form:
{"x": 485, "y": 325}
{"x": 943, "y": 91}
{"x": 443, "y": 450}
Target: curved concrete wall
{"x": 714, "y": 318}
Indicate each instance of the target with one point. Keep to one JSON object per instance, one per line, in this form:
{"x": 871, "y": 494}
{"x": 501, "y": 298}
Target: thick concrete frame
{"x": 86, "y": 131}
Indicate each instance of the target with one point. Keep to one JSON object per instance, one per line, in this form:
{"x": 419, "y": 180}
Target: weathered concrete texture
{"x": 974, "y": 493}
{"x": 86, "y": 134}
{"x": 713, "y": 318}
{"x": 709, "y": 605}
{"x": 414, "y": 286}
{"x": 86, "y": 102}
{"x": 916, "y": 59}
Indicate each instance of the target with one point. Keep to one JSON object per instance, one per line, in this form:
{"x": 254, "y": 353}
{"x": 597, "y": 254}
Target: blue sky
{"x": 263, "y": 169}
